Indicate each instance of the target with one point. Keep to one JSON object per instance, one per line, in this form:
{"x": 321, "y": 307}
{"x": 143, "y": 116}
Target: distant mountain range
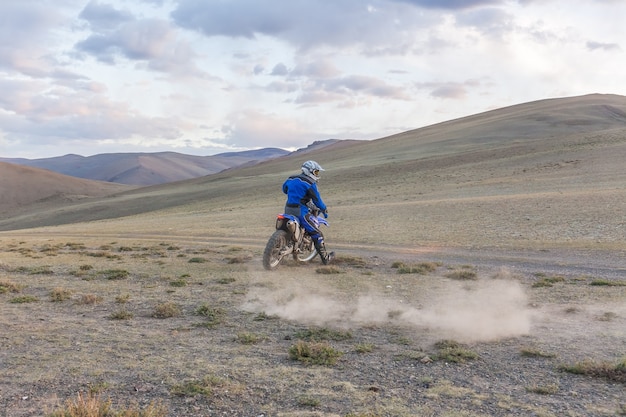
{"x": 145, "y": 169}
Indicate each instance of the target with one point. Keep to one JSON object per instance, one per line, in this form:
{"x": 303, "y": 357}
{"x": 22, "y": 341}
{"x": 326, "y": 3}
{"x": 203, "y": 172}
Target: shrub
{"x": 115, "y": 274}
{"x": 421, "y": 268}
{"x": 197, "y": 260}
{"x": 613, "y": 372}
{"x": 9, "y": 286}
{"x": 122, "y": 299}
{"x": 166, "y": 310}
{"x": 93, "y": 406}
{"x": 24, "y": 299}
{"x": 122, "y": 314}
{"x": 204, "y": 386}
{"x": 60, "y": 294}
{"x": 308, "y": 401}
{"x": 262, "y": 316}
{"x": 178, "y": 283}
{"x": 314, "y": 353}
{"x": 214, "y": 315}
{"x": 397, "y": 264}
{"x": 451, "y": 351}
{"x": 548, "y": 281}
{"x": 607, "y": 283}
{"x": 535, "y": 353}
{"x": 462, "y": 274}
{"x": 364, "y": 348}
{"x": 246, "y": 338}
{"x": 37, "y": 270}
{"x": 75, "y": 246}
{"x": 89, "y": 299}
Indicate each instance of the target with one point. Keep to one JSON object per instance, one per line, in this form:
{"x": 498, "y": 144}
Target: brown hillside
{"x": 22, "y": 187}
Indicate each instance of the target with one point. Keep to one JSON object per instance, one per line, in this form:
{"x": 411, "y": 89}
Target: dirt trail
{"x": 601, "y": 263}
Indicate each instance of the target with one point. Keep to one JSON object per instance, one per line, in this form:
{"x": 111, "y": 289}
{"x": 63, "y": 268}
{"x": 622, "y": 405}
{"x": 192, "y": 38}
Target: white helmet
{"x": 312, "y": 170}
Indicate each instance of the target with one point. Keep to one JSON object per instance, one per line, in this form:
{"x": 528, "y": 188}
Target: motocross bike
{"x": 291, "y": 237}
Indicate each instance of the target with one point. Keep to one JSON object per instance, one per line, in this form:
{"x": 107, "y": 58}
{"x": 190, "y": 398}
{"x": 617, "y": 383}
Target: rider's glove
{"x": 325, "y": 212}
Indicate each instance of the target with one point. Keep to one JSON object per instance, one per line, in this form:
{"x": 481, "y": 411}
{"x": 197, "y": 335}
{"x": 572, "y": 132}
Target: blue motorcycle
{"x": 290, "y": 237}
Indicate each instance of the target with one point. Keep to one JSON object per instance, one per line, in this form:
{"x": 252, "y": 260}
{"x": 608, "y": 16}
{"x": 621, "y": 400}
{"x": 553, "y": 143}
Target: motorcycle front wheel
{"x": 274, "y": 250}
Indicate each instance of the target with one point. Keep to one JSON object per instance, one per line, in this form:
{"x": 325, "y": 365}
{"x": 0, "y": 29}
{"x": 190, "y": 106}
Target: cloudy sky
{"x": 209, "y": 76}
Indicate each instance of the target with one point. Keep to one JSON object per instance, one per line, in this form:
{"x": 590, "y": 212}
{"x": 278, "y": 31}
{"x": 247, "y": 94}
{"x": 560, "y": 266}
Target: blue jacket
{"x": 301, "y": 190}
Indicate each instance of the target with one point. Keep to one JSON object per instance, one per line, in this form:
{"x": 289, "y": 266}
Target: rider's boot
{"x": 324, "y": 255}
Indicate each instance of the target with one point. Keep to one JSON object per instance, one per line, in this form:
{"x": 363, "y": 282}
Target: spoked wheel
{"x": 274, "y": 250}
{"x": 307, "y": 251}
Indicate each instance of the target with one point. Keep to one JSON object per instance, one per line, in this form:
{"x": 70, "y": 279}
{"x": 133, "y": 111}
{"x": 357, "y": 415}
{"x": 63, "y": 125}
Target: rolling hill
{"x": 540, "y": 173}
{"x": 33, "y": 188}
{"x": 146, "y": 168}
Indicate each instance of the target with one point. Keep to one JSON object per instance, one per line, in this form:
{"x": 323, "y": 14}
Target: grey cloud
{"x": 453, "y": 91}
{"x": 104, "y": 16}
{"x": 489, "y": 21}
{"x": 342, "y": 88}
{"x": 41, "y": 112}
{"x": 316, "y": 69}
{"x": 153, "y": 41}
{"x": 593, "y": 46}
{"x": 102, "y": 47}
{"x": 369, "y": 85}
{"x": 304, "y": 23}
{"x": 241, "y": 18}
{"x": 320, "y": 81}
{"x": 280, "y": 70}
{"x": 450, "y": 4}
{"x": 258, "y": 69}
{"x": 24, "y": 28}
{"x": 282, "y": 87}
{"x": 135, "y": 40}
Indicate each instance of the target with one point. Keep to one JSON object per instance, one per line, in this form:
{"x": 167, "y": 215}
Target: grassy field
{"x": 183, "y": 328}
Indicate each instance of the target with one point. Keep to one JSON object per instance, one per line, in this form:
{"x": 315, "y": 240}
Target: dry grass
{"x": 611, "y": 371}
{"x": 94, "y": 406}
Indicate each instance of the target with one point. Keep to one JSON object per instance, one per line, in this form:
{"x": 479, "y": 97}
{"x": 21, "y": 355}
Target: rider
{"x": 301, "y": 193}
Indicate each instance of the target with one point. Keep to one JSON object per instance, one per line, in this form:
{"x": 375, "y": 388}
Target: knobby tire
{"x": 271, "y": 254}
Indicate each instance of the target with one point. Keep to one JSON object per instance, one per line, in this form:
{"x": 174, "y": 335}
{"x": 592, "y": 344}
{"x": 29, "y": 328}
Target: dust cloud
{"x": 482, "y": 310}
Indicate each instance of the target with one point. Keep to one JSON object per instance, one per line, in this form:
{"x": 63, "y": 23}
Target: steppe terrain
{"x": 480, "y": 272}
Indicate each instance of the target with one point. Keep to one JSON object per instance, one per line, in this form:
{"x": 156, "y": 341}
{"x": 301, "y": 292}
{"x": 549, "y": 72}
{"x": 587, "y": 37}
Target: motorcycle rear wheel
{"x": 272, "y": 253}
{"x": 306, "y": 252}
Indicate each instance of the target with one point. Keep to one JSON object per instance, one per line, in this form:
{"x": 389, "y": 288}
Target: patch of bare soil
{"x": 202, "y": 329}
